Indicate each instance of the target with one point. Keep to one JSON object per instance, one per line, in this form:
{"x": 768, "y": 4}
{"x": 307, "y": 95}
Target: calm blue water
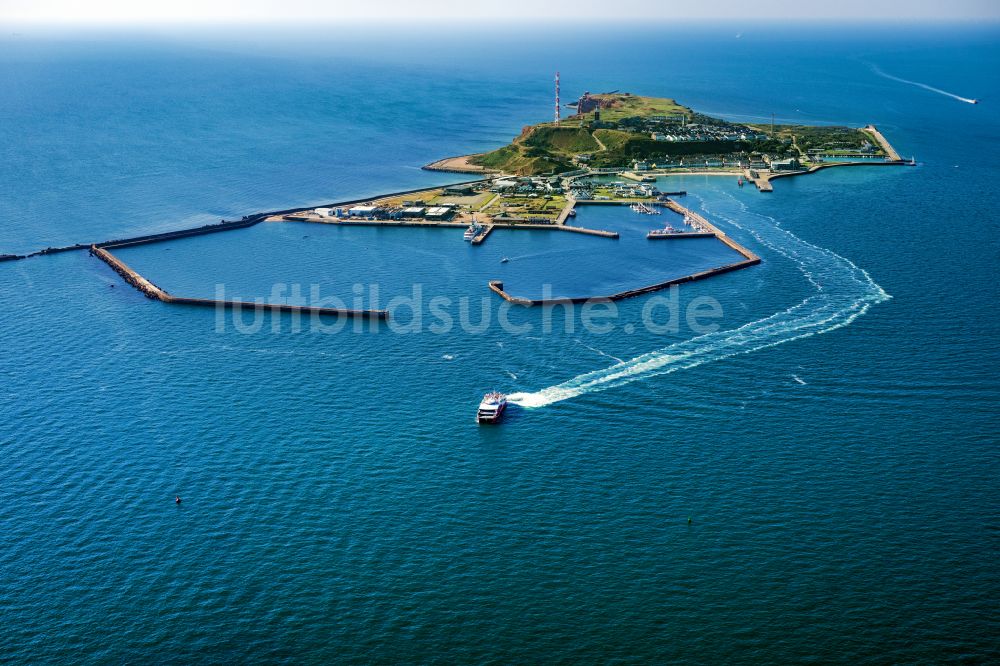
{"x": 833, "y": 442}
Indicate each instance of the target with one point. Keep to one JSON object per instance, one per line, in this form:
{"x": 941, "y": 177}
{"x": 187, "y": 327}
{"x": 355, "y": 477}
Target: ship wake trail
{"x": 922, "y": 85}
{"x": 844, "y": 292}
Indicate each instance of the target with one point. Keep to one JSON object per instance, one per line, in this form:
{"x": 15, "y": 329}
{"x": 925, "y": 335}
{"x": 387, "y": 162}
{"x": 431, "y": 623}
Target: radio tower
{"x": 557, "y": 98}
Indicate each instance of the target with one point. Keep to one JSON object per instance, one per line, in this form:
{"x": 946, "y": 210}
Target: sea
{"x": 792, "y": 463}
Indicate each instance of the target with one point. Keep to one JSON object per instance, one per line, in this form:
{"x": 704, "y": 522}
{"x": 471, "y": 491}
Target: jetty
{"x": 498, "y": 222}
{"x": 761, "y": 179}
{"x": 720, "y": 234}
{"x": 679, "y": 235}
{"x": 481, "y": 233}
{"x": 457, "y": 164}
{"x": 883, "y": 143}
{"x": 152, "y": 291}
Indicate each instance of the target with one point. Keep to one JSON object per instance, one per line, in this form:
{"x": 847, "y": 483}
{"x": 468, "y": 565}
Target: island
{"x": 631, "y": 134}
{"x": 616, "y": 150}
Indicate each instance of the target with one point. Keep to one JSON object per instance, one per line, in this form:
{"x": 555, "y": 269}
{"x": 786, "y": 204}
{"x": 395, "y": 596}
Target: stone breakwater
{"x": 152, "y": 291}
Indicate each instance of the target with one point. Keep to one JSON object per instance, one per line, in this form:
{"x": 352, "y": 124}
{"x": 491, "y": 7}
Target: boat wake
{"x": 844, "y": 292}
{"x": 923, "y": 85}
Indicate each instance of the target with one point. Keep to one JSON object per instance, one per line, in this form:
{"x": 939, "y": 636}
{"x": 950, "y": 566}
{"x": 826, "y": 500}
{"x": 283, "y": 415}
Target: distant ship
{"x": 504, "y": 260}
{"x": 491, "y": 408}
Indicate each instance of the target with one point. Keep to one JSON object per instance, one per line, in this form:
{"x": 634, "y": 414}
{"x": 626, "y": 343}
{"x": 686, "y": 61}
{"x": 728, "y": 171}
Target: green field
{"x": 832, "y": 138}
{"x": 633, "y": 106}
{"x": 548, "y": 148}
{"x": 522, "y": 206}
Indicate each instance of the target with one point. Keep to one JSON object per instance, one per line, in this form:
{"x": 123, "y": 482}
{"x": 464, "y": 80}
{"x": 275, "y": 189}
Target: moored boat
{"x": 665, "y": 231}
{"x": 491, "y": 408}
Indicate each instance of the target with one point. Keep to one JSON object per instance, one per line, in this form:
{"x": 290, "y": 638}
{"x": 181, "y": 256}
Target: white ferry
{"x": 491, "y": 408}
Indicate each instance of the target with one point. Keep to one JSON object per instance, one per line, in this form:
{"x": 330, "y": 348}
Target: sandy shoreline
{"x": 458, "y": 164}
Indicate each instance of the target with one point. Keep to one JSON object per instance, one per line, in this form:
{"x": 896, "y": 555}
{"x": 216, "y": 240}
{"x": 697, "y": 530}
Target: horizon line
{"x": 319, "y": 22}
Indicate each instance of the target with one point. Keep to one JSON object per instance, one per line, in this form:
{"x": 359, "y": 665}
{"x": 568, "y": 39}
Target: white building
{"x": 438, "y": 212}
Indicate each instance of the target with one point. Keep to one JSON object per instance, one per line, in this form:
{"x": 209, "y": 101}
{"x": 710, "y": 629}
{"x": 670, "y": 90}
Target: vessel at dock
{"x": 665, "y": 231}
{"x": 491, "y": 408}
{"x": 474, "y": 229}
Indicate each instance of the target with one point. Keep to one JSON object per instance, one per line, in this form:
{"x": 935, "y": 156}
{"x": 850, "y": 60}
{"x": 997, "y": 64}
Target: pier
{"x": 151, "y": 291}
{"x": 457, "y": 164}
{"x": 481, "y": 234}
{"x": 497, "y": 287}
{"x": 721, "y": 235}
{"x": 762, "y": 180}
{"x": 890, "y": 152}
{"x": 680, "y": 235}
{"x": 495, "y": 223}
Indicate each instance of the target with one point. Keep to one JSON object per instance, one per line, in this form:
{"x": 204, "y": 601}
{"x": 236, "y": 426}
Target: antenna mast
{"x": 557, "y": 98}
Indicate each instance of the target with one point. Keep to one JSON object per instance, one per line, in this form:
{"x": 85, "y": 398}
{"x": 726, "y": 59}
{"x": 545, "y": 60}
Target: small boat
{"x": 740, "y": 181}
{"x": 504, "y": 260}
{"x": 572, "y": 212}
{"x": 491, "y": 408}
{"x": 644, "y": 209}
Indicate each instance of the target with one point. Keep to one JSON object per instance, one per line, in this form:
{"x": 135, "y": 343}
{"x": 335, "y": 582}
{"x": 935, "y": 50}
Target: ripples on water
{"x": 339, "y": 502}
{"x": 845, "y": 293}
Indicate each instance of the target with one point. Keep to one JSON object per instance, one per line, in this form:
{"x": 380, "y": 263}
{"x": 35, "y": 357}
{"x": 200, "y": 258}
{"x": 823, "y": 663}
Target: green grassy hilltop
{"x": 615, "y": 129}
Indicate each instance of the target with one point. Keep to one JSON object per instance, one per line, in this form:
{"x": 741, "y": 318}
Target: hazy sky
{"x": 269, "y": 11}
